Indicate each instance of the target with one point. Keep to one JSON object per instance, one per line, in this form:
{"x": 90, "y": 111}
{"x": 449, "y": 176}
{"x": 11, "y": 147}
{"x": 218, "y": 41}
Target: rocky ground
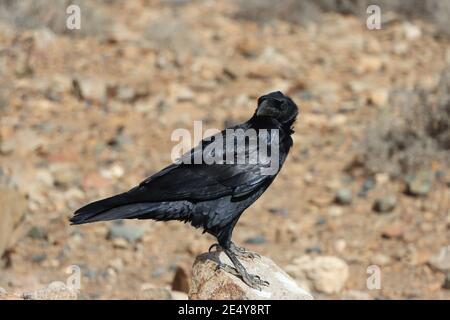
{"x": 86, "y": 116}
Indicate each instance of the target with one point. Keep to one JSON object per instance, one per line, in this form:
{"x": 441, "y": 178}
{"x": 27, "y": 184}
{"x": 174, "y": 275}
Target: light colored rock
{"x": 326, "y": 274}
{"x": 412, "y": 31}
{"x": 91, "y": 89}
{"x": 441, "y": 259}
{"x": 356, "y": 295}
{"x": 378, "y": 97}
{"x": 210, "y": 283}
{"x": 380, "y": 259}
{"x": 152, "y": 292}
{"x": 54, "y": 291}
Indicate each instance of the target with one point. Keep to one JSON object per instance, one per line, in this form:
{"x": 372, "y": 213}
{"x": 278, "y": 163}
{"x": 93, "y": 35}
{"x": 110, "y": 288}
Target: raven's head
{"x": 277, "y": 105}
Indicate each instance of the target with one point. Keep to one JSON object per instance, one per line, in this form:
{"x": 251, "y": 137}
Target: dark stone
{"x": 260, "y": 239}
{"x": 344, "y": 196}
{"x": 385, "y": 204}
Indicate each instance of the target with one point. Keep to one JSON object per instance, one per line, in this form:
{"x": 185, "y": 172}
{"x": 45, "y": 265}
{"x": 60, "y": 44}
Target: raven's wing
{"x": 200, "y": 182}
{"x": 169, "y": 194}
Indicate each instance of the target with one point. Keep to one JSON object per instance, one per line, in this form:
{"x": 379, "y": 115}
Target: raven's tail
{"x": 127, "y": 206}
{"x": 121, "y": 206}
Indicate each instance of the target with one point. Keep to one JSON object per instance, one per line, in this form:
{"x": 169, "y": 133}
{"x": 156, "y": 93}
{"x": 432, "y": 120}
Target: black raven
{"x": 211, "y": 195}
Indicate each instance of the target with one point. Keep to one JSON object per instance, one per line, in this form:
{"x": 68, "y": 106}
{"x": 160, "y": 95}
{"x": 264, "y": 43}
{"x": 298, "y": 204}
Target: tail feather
{"x": 128, "y": 211}
{"x": 93, "y": 211}
{"x": 128, "y": 206}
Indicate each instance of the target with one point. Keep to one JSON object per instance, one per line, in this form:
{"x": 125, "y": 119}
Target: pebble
{"x": 279, "y": 212}
{"x": 441, "y": 259}
{"x": 91, "y": 89}
{"x": 368, "y": 185}
{"x": 340, "y": 245}
{"x": 385, "y": 204}
{"x": 315, "y": 249}
{"x": 344, "y": 196}
{"x": 129, "y": 232}
{"x": 38, "y": 233}
{"x": 393, "y": 230}
{"x": 420, "y": 185}
{"x": 380, "y": 259}
{"x": 446, "y": 284}
{"x": 335, "y": 211}
{"x": 38, "y": 257}
{"x": 181, "y": 279}
{"x": 260, "y": 239}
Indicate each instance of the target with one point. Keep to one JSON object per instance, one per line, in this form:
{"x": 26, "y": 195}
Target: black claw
{"x": 252, "y": 280}
{"x": 214, "y": 245}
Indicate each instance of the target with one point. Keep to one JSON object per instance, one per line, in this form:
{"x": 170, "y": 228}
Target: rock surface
{"x": 208, "y": 282}
{"x": 54, "y": 291}
{"x": 324, "y": 274}
{"x": 441, "y": 260}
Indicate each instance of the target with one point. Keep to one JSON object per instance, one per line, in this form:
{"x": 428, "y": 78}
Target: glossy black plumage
{"x": 209, "y": 196}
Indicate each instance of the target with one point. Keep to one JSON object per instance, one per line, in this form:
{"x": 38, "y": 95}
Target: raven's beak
{"x": 268, "y": 107}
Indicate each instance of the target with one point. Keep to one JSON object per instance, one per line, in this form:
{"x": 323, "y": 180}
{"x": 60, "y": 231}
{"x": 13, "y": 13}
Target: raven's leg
{"x": 252, "y": 280}
{"x": 240, "y": 252}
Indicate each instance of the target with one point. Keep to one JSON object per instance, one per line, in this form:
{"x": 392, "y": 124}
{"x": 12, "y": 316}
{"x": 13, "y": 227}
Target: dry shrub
{"x": 412, "y": 134}
{"x": 304, "y": 11}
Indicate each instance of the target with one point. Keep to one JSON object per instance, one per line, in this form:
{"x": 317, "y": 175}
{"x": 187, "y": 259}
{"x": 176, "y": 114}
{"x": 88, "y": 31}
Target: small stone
{"x": 181, "y": 279}
{"x": 129, "y": 232}
{"x": 446, "y": 284}
{"x": 126, "y": 93}
{"x": 368, "y": 185}
{"x": 420, "y": 185}
{"x": 177, "y": 295}
{"x": 441, "y": 260}
{"x": 368, "y": 64}
{"x": 315, "y": 249}
{"x": 380, "y": 259}
{"x": 393, "y": 230}
{"x": 120, "y": 243}
{"x": 381, "y": 178}
{"x": 356, "y": 295}
{"x": 378, "y": 97}
{"x": 152, "y": 292}
{"x": 326, "y": 274}
{"x": 91, "y": 89}
{"x": 335, "y": 211}
{"x": 340, "y": 245}
{"x": 114, "y": 172}
{"x": 411, "y": 31}
{"x": 37, "y": 233}
{"x": 279, "y": 212}
{"x": 259, "y": 239}
{"x": 38, "y": 257}
{"x": 385, "y": 204}
{"x": 249, "y": 47}
{"x": 344, "y": 196}
{"x": 184, "y": 94}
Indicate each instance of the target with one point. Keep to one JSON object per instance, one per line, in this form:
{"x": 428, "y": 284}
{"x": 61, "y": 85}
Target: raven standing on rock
{"x": 211, "y": 196}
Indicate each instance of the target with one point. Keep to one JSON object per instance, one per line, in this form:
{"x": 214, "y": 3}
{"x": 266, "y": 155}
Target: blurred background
{"x": 89, "y": 113}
